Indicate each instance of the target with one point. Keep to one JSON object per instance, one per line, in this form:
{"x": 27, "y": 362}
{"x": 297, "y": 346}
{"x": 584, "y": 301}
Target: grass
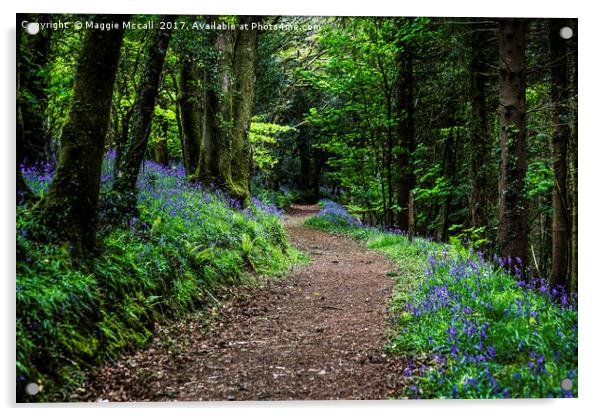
{"x": 185, "y": 245}
{"x": 470, "y": 327}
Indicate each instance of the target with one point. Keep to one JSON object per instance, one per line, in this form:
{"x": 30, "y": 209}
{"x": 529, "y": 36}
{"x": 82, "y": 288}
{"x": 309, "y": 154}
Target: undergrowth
{"x": 470, "y": 327}
{"x": 184, "y": 245}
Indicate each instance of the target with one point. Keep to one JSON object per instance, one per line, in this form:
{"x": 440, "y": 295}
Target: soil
{"x": 316, "y": 334}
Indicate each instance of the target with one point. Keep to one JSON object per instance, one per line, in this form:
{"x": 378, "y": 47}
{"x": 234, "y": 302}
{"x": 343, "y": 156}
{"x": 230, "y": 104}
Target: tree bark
{"x": 480, "y": 139}
{"x": 560, "y": 139}
{"x": 134, "y": 149}
{"x": 213, "y": 167}
{"x": 245, "y": 62}
{"x": 449, "y": 172}
{"x": 405, "y": 134}
{"x": 513, "y": 230}
{"x": 574, "y": 159}
{"x": 228, "y": 101}
{"x": 70, "y": 206}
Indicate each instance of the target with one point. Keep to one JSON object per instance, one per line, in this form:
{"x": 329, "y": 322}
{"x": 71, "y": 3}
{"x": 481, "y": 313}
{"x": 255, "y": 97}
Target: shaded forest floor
{"x": 316, "y": 334}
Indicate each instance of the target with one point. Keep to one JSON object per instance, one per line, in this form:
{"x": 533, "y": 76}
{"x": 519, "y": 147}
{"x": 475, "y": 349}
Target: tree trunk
{"x": 23, "y": 191}
{"x": 405, "y": 134}
{"x": 560, "y": 139}
{"x": 33, "y": 52}
{"x": 480, "y": 142}
{"x": 134, "y": 149}
{"x": 449, "y": 172}
{"x": 228, "y": 101}
{"x": 69, "y": 207}
{"x": 573, "y": 160}
{"x": 213, "y": 167}
{"x": 513, "y": 205}
{"x": 191, "y": 114}
{"x": 245, "y": 62}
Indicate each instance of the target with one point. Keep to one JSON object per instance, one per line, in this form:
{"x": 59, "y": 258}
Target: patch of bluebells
{"x": 38, "y": 177}
{"x": 477, "y": 328}
{"x": 487, "y": 335}
{"x": 167, "y": 199}
{"x": 337, "y": 215}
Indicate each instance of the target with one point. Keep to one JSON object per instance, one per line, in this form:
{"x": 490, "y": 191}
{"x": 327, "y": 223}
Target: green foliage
{"x": 263, "y": 138}
{"x": 356, "y": 126}
{"x": 185, "y": 244}
{"x": 165, "y": 128}
{"x": 467, "y": 239}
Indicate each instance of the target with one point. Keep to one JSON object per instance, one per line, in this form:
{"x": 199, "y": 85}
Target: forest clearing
{"x": 291, "y": 208}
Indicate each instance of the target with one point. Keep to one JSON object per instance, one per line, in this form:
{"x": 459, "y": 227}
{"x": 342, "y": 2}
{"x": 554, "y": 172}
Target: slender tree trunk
{"x": 449, "y": 172}
{"x": 388, "y": 162}
{"x": 23, "y": 191}
{"x": 573, "y": 160}
{"x": 560, "y": 139}
{"x": 480, "y": 139}
{"x": 405, "y": 134}
{"x": 33, "y": 148}
{"x": 513, "y": 230}
{"x": 69, "y": 207}
{"x": 190, "y": 105}
{"x": 134, "y": 149}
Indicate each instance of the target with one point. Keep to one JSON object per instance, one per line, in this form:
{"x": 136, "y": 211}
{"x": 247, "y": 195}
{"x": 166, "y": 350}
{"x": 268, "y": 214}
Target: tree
{"x": 574, "y": 159}
{"x": 23, "y": 193}
{"x": 560, "y": 139}
{"x": 69, "y": 207}
{"x": 480, "y": 137}
{"x": 227, "y": 105}
{"x": 245, "y": 62}
{"x": 513, "y": 232}
{"x": 33, "y": 146}
{"x": 405, "y": 134}
{"x": 191, "y": 110}
{"x": 135, "y": 148}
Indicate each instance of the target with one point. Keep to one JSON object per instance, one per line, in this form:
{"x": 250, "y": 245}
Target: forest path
{"x": 316, "y": 334}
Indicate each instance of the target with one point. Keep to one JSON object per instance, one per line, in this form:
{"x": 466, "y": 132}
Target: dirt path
{"x": 318, "y": 334}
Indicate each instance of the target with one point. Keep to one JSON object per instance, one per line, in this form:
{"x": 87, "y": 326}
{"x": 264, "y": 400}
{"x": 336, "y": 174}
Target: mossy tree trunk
{"x": 134, "y": 149}
{"x": 513, "y": 230}
{"x": 229, "y": 92}
{"x": 70, "y": 206}
{"x": 214, "y": 157}
{"x": 245, "y": 62}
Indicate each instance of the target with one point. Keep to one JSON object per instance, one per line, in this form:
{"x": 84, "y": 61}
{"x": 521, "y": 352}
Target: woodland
{"x": 166, "y": 163}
